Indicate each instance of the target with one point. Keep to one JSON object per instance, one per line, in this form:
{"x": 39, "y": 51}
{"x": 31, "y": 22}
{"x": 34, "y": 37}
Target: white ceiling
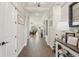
{"x": 36, "y": 9}
{"x": 44, "y": 6}
{"x": 34, "y": 4}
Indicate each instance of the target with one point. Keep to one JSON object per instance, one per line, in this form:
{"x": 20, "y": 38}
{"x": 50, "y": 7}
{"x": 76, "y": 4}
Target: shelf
{"x": 71, "y": 49}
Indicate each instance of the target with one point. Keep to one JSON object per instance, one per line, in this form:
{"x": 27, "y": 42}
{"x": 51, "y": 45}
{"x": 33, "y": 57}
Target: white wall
{"x": 55, "y": 17}
{"x": 36, "y": 20}
{"x": 26, "y": 32}
{"x": 65, "y": 12}
{"x": 21, "y": 33}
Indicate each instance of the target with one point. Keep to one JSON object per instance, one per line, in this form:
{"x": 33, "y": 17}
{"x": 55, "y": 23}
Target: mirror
{"x": 74, "y": 15}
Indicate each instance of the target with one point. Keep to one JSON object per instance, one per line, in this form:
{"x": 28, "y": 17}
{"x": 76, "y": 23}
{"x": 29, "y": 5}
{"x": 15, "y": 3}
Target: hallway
{"x": 36, "y": 29}
{"x": 36, "y": 47}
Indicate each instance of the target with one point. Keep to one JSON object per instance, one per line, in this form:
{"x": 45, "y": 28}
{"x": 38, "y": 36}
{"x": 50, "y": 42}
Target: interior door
{"x": 2, "y": 32}
{"x": 1, "y": 27}
{"x": 7, "y": 29}
{"x": 10, "y": 30}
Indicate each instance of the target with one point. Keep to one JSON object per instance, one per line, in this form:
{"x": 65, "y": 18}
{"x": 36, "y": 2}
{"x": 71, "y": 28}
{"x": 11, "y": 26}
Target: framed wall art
{"x": 69, "y": 34}
{"x": 74, "y": 14}
{"x": 20, "y": 20}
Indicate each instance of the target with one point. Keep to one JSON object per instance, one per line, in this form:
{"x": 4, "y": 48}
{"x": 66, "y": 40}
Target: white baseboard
{"x": 25, "y": 44}
{"x": 46, "y": 39}
{"x": 20, "y": 50}
{"x": 51, "y": 46}
{"x": 48, "y": 43}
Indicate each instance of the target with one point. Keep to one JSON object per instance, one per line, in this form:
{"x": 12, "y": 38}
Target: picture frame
{"x": 74, "y": 14}
{"x": 69, "y": 34}
{"x": 72, "y": 41}
{"x": 20, "y": 20}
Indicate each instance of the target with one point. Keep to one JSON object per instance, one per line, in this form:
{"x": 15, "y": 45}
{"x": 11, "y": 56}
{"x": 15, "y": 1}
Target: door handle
{"x": 3, "y": 43}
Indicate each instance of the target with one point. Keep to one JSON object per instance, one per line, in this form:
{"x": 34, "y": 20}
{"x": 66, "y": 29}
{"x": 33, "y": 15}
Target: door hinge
{"x": 0, "y": 44}
{"x": 15, "y": 50}
{"x": 15, "y": 22}
{"x": 15, "y": 36}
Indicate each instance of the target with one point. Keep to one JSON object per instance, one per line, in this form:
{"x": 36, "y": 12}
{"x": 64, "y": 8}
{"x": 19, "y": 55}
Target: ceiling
{"x": 44, "y": 6}
{"x": 34, "y": 4}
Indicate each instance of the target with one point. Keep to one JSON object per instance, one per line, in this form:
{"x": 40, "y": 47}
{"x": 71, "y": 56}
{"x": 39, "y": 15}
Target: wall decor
{"x": 72, "y": 40}
{"x": 74, "y": 14}
{"x": 20, "y": 20}
{"x": 69, "y": 34}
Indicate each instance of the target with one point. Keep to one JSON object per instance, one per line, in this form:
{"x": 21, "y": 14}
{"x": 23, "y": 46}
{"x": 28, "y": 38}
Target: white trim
{"x": 25, "y": 44}
{"x": 48, "y": 43}
{"x": 46, "y": 39}
{"x": 51, "y": 46}
{"x": 19, "y": 50}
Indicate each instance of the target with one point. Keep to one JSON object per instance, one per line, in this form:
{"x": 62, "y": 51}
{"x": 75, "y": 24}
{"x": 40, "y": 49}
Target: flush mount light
{"x": 38, "y": 4}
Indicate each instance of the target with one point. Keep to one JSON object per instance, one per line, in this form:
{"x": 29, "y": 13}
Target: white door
{"x": 2, "y": 19}
{"x": 10, "y": 30}
{"x": 7, "y": 29}
{"x": 1, "y": 28}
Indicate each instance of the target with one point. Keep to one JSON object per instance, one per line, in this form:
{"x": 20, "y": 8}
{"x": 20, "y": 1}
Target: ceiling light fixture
{"x": 38, "y": 4}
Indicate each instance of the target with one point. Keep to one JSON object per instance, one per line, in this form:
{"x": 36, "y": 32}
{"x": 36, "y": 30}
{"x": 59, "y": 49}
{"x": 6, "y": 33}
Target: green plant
{"x": 34, "y": 29}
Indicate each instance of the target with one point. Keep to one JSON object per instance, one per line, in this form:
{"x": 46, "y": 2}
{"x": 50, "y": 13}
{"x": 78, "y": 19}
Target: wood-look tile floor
{"x": 36, "y": 47}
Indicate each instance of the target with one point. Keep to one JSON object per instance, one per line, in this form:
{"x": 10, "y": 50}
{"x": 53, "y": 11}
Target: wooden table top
{"x": 74, "y": 48}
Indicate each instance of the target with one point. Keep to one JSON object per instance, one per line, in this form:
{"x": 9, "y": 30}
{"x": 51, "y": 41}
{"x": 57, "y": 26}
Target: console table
{"x": 72, "y": 49}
